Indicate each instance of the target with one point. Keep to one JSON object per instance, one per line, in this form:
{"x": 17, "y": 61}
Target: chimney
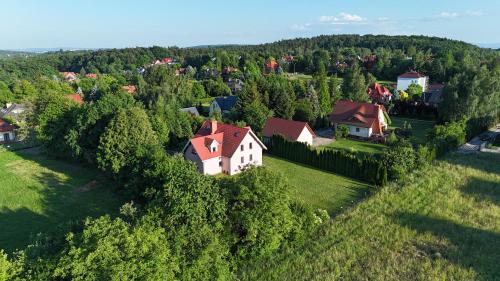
{"x": 213, "y": 126}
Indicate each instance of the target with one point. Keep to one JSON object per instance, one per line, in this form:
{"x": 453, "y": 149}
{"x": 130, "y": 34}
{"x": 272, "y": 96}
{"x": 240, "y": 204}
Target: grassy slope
{"x": 357, "y": 146}
{"x": 420, "y": 128}
{"x": 443, "y": 224}
{"x": 38, "y": 194}
{"x": 317, "y": 188}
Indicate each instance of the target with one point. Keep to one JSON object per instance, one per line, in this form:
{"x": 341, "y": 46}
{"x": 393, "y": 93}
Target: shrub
{"x": 341, "y": 132}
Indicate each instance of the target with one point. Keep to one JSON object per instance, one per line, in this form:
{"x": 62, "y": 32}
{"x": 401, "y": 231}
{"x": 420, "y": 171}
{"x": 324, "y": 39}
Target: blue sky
{"x": 129, "y": 23}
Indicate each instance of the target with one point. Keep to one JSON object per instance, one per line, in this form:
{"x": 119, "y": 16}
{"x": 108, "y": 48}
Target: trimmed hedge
{"x": 336, "y": 161}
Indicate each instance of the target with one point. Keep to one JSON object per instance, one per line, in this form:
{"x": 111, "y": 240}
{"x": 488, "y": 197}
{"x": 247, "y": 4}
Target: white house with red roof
{"x": 412, "y": 77}
{"x": 362, "y": 119}
{"x": 7, "y": 132}
{"x": 222, "y": 148}
{"x": 289, "y": 129}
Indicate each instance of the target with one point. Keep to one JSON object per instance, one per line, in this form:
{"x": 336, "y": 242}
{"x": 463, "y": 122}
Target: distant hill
{"x": 10, "y": 54}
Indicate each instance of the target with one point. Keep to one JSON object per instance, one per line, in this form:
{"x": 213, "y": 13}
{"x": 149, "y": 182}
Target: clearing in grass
{"x": 351, "y": 145}
{"x": 319, "y": 189}
{"x": 440, "y": 224}
{"x": 41, "y": 195}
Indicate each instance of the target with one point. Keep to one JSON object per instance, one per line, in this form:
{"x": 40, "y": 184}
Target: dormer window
{"x": 214, "y": 148}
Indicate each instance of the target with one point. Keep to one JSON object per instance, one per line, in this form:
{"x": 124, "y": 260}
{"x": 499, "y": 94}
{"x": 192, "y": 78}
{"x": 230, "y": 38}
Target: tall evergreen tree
{"x": 354, "y": 87}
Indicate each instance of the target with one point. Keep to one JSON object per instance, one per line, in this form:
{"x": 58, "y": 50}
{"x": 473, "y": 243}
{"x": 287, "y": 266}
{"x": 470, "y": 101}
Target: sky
{"x": 130, "y": 23}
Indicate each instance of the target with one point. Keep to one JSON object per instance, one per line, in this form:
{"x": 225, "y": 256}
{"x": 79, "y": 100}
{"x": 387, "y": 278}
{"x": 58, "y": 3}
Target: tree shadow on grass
{"x": 486, "y": 162}
{"x": 54, "y": 204}
{"x": 482, "y": 189}
{"x": 471, "y": 247}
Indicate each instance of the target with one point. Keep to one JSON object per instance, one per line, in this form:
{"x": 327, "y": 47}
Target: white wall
{"x": 12, "y": 136}
{"x": 211, "y": 166}
{"x": 363, "y": 132}
{"x": 404, "y": 83}
{"x": 305, "y": 136}
{"x": 256, "y": 151}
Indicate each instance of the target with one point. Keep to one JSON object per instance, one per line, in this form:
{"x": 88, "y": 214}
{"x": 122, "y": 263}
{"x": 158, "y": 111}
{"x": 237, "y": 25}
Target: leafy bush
{"x": 341, "y": 131}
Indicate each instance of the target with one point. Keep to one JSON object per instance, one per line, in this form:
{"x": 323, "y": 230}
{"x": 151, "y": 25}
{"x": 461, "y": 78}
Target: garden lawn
{"x": 356, "y": 146}
{"x": 443, "y": 223}
{"x": 420, "y": 128}
{"x": 316, "y": 188}
{"x": 41, "y": 195}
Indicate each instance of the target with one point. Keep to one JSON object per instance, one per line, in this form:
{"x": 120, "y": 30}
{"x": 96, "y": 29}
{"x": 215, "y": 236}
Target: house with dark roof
{"x": 223, "y": 104}
{"x": 222, "y": 148}
{"x": 234, "y": 84}
{"x": 362, "y": 119}
{"x": 379, "y": 93}
{"x": 433, "y": 96}
{"x": 412, "y": 77}
{"x": 289, "y": 129}
{"x": 7, "y": 132}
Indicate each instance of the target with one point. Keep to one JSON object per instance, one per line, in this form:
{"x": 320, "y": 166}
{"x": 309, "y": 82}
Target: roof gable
{"x": 363, "y": 114}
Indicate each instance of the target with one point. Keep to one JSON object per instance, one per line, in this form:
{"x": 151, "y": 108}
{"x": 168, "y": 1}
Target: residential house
{"x": 287, "y": 59}
{"x": 234, "y": 84}
{"x": 412, "y": 77}
{"x": 271, "y": 66}
{"x": 13, "y": 111}
{"x": 362, "y": 119}
{"x": 289, "y": 129}
{"x": 379, "y": 93}
{"x": 76, "y": 98}
{"x": 223, "y": 104}
{"x": 180, "y": 71}
{"x": 191, "y": 110}
{"x": 7, "y": 131}
{"x": 222, "y": 148}
{"x": 130, "y": 89}
{"x": 433, "y": 96}
{"x": 91, "y": 75}
{"x": 69, "y": 76}
{"x": 228, "y": 70}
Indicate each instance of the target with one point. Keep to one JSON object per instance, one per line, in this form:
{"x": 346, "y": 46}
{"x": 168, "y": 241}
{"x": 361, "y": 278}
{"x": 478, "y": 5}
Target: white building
{"x": 362, "y": 119}
{"x": 412, "y": 77}
{"x": 221, "y": 148}
{"x": 7, "y": 132}
{"x": 289, "y": 129}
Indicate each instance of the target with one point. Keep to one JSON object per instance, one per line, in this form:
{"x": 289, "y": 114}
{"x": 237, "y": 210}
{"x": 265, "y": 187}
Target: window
{"x": 251, "y": 157}
{"x": 250, "y": 145}
{"x": 214, "y": 148}
{"x": 220, "y": 163}
{"x": 193, "y": 151}
{"x": 242, "y": 147}
{"x": 357, "y": 130}
{"x": 242, "y": 159}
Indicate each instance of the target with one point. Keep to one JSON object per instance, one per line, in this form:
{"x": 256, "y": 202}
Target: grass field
{"x": 39, "y": 194}
{"x": 420, "y": 128}
{"x": 319, "y": 189}
{"x": 356, "y": 146}
{"x": 442, "y": 224}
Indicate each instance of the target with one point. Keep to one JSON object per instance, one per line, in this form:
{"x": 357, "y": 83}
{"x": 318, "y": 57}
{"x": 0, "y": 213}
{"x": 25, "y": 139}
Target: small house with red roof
{"x": 289, "y": 129}
{"x": 91, "y": 75}
{"x": 271, "y": 65}
{"x": 223, "y": 148}
{"x": 362, "y": 119}
{"x": 76, "y": 98}
{"x": 379, "y": 93}
{"x": 130, "y": 89}
{"x": 69, "y": 76}
{"x": 412, "y": 77}
{"x": 7, "y": 131}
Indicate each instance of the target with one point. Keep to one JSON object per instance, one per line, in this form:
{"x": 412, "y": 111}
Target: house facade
{"x": 7, "y": 132}
{"x": 290, "y": 130}
{"x": 412, "y": 77}
{"x": 362, "y": 119}
{"x": 222, "y": 148}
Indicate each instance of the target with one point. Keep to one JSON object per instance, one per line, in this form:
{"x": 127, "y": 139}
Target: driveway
{"x": 477, "y": 145}
{"x": 323, "y": 137}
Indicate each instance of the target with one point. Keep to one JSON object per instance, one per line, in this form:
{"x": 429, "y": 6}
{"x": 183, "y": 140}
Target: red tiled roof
{"x": 6, "y": 127}
{"x": 129, "y": 89}
{"x": 411, "y": 74}
{"x": 228, "y": 136}
{"x": 75, "y": 97}
{"x": 377, "y": 91}
{"x": 358, "y": 114}
{"x": 272, "y": 64}
{"x": 91, "y": 75}
{"x": 287, "y": 128}
{"x": 167, "y": 60}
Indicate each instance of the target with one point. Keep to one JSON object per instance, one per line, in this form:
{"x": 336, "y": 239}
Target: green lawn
{"x": 319, "y": 189}
{"x": 441, "y": 224}
{"x": 356, "y": 146}
{"x": 39, "y": 195}
{"x": 420, "y": 128}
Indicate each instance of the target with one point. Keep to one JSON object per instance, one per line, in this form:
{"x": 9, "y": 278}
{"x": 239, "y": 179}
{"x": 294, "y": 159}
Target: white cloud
{"x": 474, "y": 13}
{"x": 448, "y": 15}
{"x": 454, "y": 15}
{"x": 301, "y": 27}
{"x": 342, "y": 18}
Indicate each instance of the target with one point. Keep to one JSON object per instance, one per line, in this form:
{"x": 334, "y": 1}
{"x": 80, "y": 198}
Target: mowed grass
{"x": 41, "y": 195}
{"x": 319, "y": 189}
{"x": 420, "y": 128}
{"x": 356, "y": 146}
{"x": 441, "y": 224}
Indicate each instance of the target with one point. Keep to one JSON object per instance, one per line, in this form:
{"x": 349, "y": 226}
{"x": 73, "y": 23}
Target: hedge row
{"x": 339, "y": 162}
